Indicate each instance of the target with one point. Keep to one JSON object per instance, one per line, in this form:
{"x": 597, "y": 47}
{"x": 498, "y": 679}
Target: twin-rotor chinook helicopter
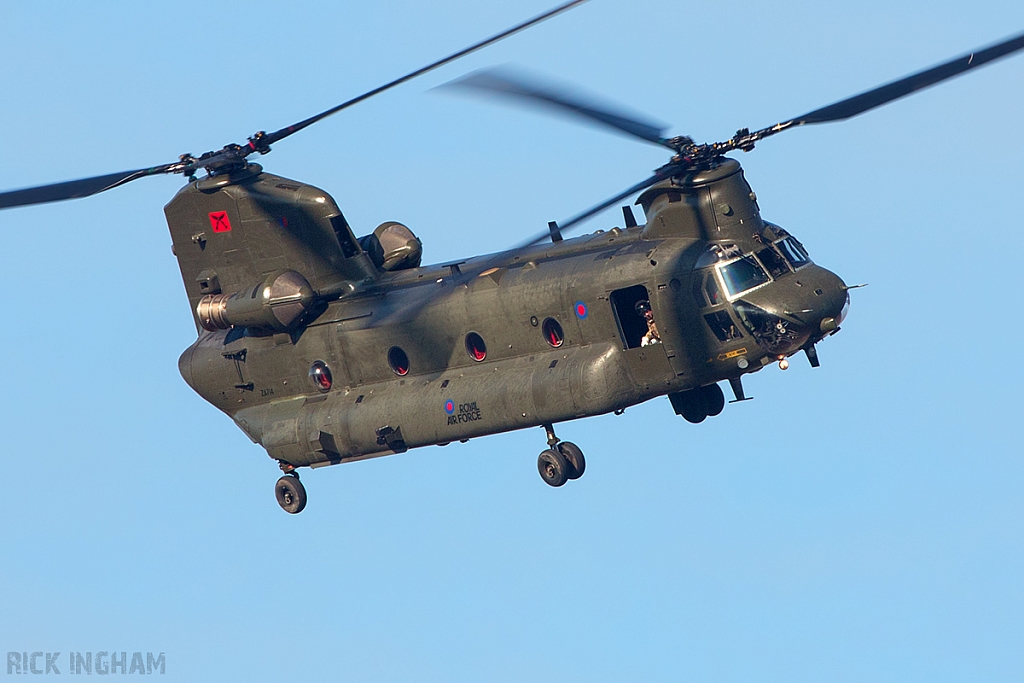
{"x": 326, "y": 348}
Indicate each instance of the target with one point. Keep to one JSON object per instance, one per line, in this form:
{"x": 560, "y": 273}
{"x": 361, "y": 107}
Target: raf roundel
{"x": 449, "y": 407}
{"x": 581, "y": 310}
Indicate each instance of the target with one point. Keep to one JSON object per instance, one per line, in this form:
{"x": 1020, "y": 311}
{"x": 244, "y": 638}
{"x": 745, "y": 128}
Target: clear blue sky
{"x": 859, "y": 522}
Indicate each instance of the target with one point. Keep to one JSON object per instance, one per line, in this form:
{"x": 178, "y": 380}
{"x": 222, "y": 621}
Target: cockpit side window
{"x": 742, "y": 275}
{"x": 793, "y": 251}
{"x": 698, "y": 289}
{"x": 705, "y": 289}
{"x": 722, "y": 325}
{"x": 712, "y": 290}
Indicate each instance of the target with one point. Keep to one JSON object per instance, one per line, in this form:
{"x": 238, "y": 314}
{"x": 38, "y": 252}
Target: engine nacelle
{"x": 277, "y": 303}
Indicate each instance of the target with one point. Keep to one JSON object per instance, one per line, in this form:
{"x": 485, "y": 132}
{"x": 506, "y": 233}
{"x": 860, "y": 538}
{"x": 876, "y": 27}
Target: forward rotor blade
{"x": 865, "y": 101}
{"x": 271, "y": 138}
{"x": 507, "y": 83}
{"x": 659, "y": 175}
{"x": 858, "y": 104}
{"x": 502, "y": 259}
{"x": 74, "y": 189}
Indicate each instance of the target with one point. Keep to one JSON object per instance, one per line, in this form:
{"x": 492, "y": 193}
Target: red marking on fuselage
{"x": 219, "y": 221}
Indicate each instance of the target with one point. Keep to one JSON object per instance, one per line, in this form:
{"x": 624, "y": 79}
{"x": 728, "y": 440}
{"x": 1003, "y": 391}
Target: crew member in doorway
{"x": 652, "y": 336}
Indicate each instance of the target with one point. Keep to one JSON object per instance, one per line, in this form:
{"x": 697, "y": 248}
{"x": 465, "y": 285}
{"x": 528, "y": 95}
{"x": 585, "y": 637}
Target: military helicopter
{"x": 325, "y": 348}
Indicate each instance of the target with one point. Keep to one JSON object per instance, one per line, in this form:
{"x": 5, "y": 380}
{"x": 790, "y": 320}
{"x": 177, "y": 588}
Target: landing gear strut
{"x": 290, "y": 493}
{"x": 561, "y": 462}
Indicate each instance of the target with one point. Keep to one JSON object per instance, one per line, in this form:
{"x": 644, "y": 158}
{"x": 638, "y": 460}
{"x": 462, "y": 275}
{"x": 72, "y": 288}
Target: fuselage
{"x": 536, "y": 336}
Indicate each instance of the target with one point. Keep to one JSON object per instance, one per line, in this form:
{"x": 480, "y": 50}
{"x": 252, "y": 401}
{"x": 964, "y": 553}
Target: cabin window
{"x": 398, "y": 361}
{"x": 632, "y": 326}
{"x": 553, "y": 334}
{"x": 722, "y": 325}
{"x": 320, "y": 374}
{"x": 774, "y": 262}
{"x": 475, "y": 347}
{"x": 742, "y": 275}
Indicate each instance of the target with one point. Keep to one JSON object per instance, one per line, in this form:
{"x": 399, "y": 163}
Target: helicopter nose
{"x": 799, "y": 308}
{"x": 814, "y": 296}
{"x": 829, "y": 301}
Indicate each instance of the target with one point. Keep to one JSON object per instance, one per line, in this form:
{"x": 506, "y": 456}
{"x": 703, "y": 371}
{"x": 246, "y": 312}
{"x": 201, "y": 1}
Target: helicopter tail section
{"x": 233, "y": 232}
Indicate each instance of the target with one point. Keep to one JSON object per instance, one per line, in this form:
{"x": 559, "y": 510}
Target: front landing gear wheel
{"x": 713, "y": 399}
{"x": 692, "y": 408}
{"x": 572, "y": 453}
{"x": 291, "y": 494}
{"x": 553, "y": 467}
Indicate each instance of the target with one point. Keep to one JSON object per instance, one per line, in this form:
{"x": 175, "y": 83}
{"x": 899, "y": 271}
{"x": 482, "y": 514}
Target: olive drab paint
{"x": 327, "y": 348}
{"x": 260, "y": 376}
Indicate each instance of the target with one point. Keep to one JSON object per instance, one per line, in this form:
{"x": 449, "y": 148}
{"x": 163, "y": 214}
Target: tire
{"x": 572, "y": 453}
{"x": 553, "y": 467}
{"x": 291, "y": 494}
{"x": 713, "y": 399}
{"x": 693, "y": 409}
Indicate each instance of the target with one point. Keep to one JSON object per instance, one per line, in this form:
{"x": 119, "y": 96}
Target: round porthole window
{"x": 321, "y": 375}
{"x": 552, "y": 332}
{"x": 398, "y": 361}
{"x": 475, "y": 346}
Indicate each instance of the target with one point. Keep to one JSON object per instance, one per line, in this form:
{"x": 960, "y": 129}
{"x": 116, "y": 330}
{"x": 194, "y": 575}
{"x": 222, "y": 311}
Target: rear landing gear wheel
{"x": 572, "y": 453}
{"x": 291, "y": 494}
{"x": 553, "y": 467}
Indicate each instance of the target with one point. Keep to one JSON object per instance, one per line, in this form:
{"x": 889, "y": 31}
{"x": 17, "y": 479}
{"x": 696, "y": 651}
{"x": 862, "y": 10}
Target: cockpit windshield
{"x": 771, "y": 260}
{"x": 788, "y": 246}
{"x": 742, "y": 274}
{"x": 793, "y": 251}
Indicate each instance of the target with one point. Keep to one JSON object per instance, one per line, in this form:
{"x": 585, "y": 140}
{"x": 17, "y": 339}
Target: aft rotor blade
{"x": 502, "y": 258}
{"x": 74, "y": 189}
{"x": 271, "y": 138}
{"x": 233, "y": 155}
{"x": 507, "y": 83}
{"x": 866, "y": 101}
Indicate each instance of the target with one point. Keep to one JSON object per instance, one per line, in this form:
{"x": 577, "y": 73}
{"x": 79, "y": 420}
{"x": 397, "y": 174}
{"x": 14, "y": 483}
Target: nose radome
{"x": 832, "y": 300}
